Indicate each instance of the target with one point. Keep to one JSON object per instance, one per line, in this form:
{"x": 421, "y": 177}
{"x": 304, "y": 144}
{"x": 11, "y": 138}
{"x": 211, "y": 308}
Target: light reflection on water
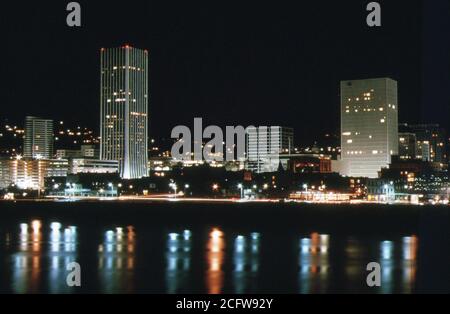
{"x": 314, "y": 263}
{"x": 246, "y": 262}
{"x": 41, "y": 251}
{"x": 178, "y": 261}
{"x": 116, "y": 259}
{"x": 30, "y": 261}
{"x": 215, "y": 255}
{"x": 410, "y": 247}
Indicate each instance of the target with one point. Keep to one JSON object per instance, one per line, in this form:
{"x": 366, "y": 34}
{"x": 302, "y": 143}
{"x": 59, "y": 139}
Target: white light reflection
{"x": 178, "y": 262}
{"x": 63, "y": 251}
{"x": 387, "y": 266}
{"x": 245, "y": 262}
{"x": 116, "y": 260}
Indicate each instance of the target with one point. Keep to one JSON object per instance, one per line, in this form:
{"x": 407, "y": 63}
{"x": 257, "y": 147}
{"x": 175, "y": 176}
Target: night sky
{"x": 260, "y": 63}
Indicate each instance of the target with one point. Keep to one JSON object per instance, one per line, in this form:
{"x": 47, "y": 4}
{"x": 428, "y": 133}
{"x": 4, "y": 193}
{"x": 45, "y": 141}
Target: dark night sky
{"x": 231, "y": 63}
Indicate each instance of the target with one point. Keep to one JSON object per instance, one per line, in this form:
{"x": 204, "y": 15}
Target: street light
{"x": 305, "y": 186}
{"x": 174, "y": 187}
{"x": 240, "y": 186}
{"x": 111, "y": 186}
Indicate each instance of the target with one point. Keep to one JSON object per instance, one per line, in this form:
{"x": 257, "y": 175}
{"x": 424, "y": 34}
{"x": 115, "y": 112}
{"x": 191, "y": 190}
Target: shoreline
{"x": 159, "y": 199}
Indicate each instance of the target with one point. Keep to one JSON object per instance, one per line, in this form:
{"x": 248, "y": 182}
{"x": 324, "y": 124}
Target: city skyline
{"x": 250, "y": 69}
{"x": 221, "y": 148}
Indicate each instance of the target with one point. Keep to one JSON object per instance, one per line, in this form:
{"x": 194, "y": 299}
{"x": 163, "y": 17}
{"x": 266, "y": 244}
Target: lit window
{"x": 382, "y": 120}
{"x": 349, "y": 141}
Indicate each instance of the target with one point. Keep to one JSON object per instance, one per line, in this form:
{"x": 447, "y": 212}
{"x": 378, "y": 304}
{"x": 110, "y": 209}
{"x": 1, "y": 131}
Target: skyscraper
{"x": 265, "y": 145}
{"x": 369, "y": 126}
{"x": 124, "y": 109}
{"x": 38, "y": 139}
{"x": 407, "y": 143}
{"x": 431, "y": 141}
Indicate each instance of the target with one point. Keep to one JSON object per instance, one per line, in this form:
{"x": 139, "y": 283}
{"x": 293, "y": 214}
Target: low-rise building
{"x": 30, "y": 173}
{"x": 86, "y": 165}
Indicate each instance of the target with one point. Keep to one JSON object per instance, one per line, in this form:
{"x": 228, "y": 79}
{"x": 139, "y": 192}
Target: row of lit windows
{"x": 374, "y": 152}
{"x": 356, "y": 133}
{"x": 129, "y": 67}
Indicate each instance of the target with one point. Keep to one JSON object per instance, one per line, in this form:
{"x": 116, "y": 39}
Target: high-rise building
{"x": 38, "y": 139}
{"x": 124, "y": 109}
{"x": 265, "y": 145}
{"x": 369, "y": 126}
{"x": 407, "y": 143}
{"x": 431, "y": 142}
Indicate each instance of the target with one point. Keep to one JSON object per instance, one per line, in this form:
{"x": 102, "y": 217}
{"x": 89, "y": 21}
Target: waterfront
{"x": 154, "y": 247}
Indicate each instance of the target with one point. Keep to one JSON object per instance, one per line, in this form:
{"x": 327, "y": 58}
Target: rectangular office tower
{"x": 265, "y": 145}
{"x": 124, "y": 109}
{"x": 369, "y": 126}
{"x": 38, "y": 139}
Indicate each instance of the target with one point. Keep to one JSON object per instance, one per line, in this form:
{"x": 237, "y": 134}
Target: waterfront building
{"x": 369, "y": 126}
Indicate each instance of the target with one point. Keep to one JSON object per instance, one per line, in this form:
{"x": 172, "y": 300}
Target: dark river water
{"x": 222, "y": 248}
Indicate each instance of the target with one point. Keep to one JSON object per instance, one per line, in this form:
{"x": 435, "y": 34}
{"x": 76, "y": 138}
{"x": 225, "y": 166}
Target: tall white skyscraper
{"x": 124, "y": 109}
{"x": 38, "y": 140}
{"x": 369, "y": 126}
{"x": 265, "y": 145}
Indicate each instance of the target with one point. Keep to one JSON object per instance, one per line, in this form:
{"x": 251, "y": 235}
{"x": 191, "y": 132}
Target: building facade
{"x": 124, "y": 109}
{"x": 431, "y": 142}
{"x": 369, "y": 126}
{"x": 86, "y": 151}
{"x": 407, "y": 144}
{"x": 265, "y": 145}
{"x": 30, "y": 173}
{"x": 38, "y": 138}
{"x": 88, "y": 165}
